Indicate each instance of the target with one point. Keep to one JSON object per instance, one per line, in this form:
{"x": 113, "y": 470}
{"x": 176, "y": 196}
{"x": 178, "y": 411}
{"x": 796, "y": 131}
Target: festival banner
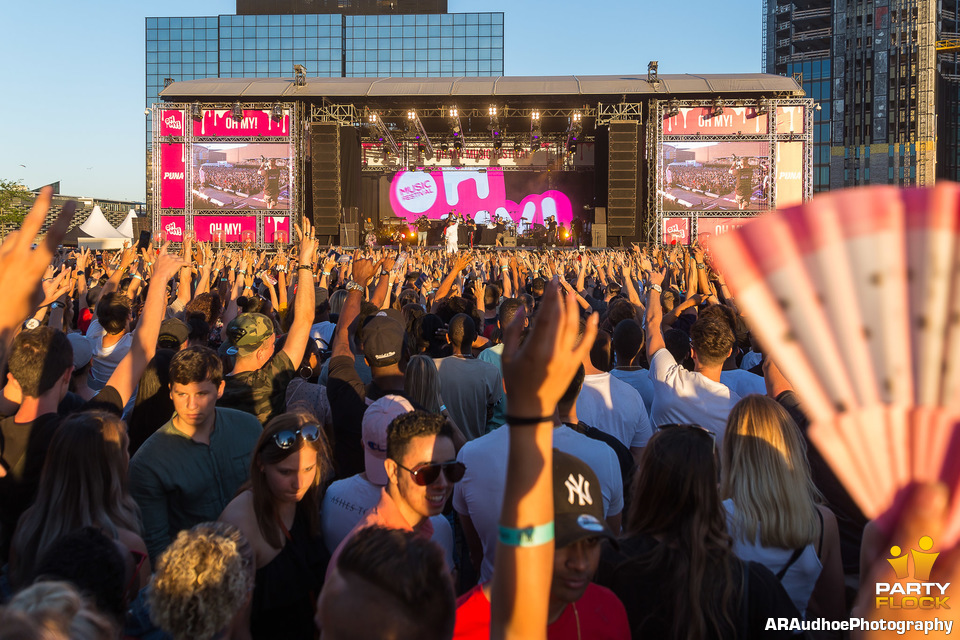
{"x": 676, "y": 231}
{"x": 476, "y": 192}
{"x": 701, "y": 120}
{"x": 790, "y": 119}
{"x": 172, "y": 171}
{"x": 276, "y": 229}
{"x": 232, "y": 228}
{"x": 172, "y": 228}
{"x": 789, "y": 174}
{"x": 255, "y": 122}
{"x": 707, "y": 227}
{"x": 171, "y": 122}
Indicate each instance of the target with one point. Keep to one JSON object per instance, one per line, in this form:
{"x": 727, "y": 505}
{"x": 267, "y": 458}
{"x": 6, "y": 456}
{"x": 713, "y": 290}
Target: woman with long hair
{"x": 83, "y": 484}
{"x": 675, "y": 570}
{"x": 152, "y": 407}
{"x": 774, "y": 513}
{"x": 279, "y": 515}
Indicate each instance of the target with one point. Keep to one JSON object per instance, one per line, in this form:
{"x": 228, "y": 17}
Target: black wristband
{"x": 517, "y": 421}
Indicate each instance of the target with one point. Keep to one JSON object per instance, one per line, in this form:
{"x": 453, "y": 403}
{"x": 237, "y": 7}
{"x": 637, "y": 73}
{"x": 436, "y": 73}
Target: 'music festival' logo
{"x": 918, "y": 592}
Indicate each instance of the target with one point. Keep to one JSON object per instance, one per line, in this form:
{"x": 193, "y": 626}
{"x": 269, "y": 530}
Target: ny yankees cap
{"x": 577, "y": 501}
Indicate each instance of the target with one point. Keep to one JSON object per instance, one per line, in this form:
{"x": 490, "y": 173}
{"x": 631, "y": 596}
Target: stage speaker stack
{"x": 622, "y": 179}
{"x": 600, "y": 215}
{"x": 325, "y": 177}
{"x": 599, "y": 236}
{"x": 350, "y": 234}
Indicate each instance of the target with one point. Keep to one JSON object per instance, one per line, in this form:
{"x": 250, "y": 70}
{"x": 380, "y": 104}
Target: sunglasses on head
{"x": 287, "y": 439}
{"x": 428, "y": 473}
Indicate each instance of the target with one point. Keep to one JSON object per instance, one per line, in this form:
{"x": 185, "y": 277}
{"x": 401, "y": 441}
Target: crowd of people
{"x": 713, "y": 178}
{"x": 556, "y": 444}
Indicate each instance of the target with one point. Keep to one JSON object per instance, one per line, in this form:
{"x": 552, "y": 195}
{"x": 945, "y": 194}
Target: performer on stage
{"x": 743, "y": 173}
{"x": 271, "y": 182}
{"x": 552, "y": 231}
{"x": 471, "y": 228}
{"x": 450, "y": 234}
{"x": 423, "y": 226}
{"x": 576, "y": 231}
{"x": 371, "y": 233}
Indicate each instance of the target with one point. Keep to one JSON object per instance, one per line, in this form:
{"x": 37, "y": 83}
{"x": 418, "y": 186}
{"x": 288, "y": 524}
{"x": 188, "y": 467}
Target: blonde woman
{"x": 774, "y": 515}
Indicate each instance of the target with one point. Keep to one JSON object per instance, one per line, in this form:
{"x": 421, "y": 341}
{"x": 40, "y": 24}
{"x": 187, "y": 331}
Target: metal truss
{"x": 657, "y": 175}
{"x": 297, "y": 165}
{"x": 343, "y": 114}
{"x": 619, "y": 111}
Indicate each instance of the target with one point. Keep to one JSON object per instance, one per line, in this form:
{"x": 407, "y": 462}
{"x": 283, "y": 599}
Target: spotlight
{"x": 576, "y": 116}
{"x": 277, "y": 112}
{"x": 195, "y": 112}
{"x": 497, "y": 144}
{"x": 652, "y": 72}
{"x": 299, "y": 75}
{"x": 517, "y": 146}
{"x": 237, "y": 112}
{"x": 535, "y": 115}
{"x": 762, "y": 106}
{"x": 411, "y": 115}
{"x": 673, "y": 108}
{"x": 167, "y": 82}
{"x": 492, "y": 111}
{"x": 454, "y": 113}
{"x": 372, "y": 118}
{"x": 717, "y": 108}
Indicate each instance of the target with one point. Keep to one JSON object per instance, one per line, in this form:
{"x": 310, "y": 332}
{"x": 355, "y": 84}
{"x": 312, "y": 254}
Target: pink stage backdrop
{"x": 676, "y": 231}
{"x": 469, "y": 191}
{"x": 171, "y": 122}
{"x": 733, "y": 120}
{"x": 231, "y": 226}
{"x": 171, "y": 228}
{"x": 790, "y": 119}
{"x": 255, "y": 122}
{"x": 707, "y": 227}
{"x": 172, "y": 183}
{"x": 272, "y": 225}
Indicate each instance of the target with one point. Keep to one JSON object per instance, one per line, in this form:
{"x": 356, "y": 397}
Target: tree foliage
{"x": 10, "y": 192}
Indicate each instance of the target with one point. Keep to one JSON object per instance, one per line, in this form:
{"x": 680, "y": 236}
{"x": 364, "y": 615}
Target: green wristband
{"x": 528, "y": 536}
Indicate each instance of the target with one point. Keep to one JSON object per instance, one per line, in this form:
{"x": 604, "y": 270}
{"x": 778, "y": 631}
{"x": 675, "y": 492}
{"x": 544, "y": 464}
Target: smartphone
{"x": 344, "y": 259}
{"x": 401, "y": 263}
{"x": 144, "y": 240}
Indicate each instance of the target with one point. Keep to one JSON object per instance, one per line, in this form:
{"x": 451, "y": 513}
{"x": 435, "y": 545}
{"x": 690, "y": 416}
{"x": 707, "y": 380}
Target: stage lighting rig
{"x": 535, "y": 131}
{"x": 673, "y": 108}
{"x": 196, "y": 112}
{"x": 652, "y": 72}
{"x": 276, "y": 114}
{"x": 236, "y": 112}
{"x": 383, "y": 133}
{"x": 167, "y": 82}
{"x": 299, "y": 75}
{"x": 718, "y": 105}
{"x": 415, "y": 126}
{"x": 762, "y": 106}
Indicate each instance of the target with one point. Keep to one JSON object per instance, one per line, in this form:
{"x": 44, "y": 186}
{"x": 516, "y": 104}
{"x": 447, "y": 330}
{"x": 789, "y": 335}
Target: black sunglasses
{"x": 288, "y": 439}
{"x": 426, "y": 474}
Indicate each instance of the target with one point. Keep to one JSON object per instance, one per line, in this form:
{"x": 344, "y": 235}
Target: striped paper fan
{"x": 856, "y": 297}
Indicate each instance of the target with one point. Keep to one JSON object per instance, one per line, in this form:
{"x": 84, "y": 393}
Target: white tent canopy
{"x": 126, "y": 227}
{"x": 96, "y": 226}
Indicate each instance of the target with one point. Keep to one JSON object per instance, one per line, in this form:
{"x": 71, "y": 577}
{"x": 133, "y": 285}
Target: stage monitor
{"x": 716, "y": 176}
{"x": 241, "y": 176}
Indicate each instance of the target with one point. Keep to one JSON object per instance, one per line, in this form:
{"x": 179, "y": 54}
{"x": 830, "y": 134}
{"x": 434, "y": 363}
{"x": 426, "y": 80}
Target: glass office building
{"x": 327, "y": 45}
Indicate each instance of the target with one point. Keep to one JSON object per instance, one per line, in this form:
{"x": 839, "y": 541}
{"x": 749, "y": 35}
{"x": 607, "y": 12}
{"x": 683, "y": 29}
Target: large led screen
{"x": 521, "y": 197}
{"x": 241, "y": 176}
{"x": 715, "y": 176}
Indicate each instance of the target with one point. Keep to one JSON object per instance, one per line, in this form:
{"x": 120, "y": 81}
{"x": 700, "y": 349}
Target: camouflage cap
{"x": 248, "y": 331}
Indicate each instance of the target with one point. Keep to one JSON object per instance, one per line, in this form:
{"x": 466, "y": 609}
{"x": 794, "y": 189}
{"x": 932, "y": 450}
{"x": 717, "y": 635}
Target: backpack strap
{"x": 820, "y": 542}
{"x": 793, "y": 558}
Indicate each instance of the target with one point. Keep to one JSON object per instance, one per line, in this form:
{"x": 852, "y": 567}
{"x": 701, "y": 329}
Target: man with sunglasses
{"x": 421, "y": 468}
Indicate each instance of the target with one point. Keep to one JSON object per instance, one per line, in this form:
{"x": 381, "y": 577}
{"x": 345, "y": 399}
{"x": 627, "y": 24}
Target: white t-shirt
{"x": 322, "y": 332}
{"x": 347, "y": 501}
{"x": 800, "y": 578}
{"x": 688, "y": 397}
{"x": 639, "y": 379}
{"x": 479, "y": 494}
{"x": 105, "y": 359}
{"x": 743, "y": 383}
{"x": 614, "y": 407}
{"x": 468, "y": 386}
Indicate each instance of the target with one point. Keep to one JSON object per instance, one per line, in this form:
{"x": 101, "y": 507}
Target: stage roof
{"x": 284, "y": 88}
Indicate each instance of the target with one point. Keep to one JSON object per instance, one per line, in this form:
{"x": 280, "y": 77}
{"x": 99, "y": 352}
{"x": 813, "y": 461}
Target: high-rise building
{"x": 329, "y": 38}
{"x": 885, "y": 77}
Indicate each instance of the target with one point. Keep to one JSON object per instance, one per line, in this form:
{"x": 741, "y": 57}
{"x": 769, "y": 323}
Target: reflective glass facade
{"x": 328, "y": 45}
{"x": 817, "y": 82}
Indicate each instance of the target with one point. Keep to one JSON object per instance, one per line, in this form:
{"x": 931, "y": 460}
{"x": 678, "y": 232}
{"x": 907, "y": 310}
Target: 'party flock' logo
{"x": 918, "y": 592}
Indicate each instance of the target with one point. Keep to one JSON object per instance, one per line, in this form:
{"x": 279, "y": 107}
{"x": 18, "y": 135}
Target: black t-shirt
{"x": 23, "y": 450}
{"x": 262, "y": 392}
{"x": 650, "y": 606}
{"x": 271, "y": 181}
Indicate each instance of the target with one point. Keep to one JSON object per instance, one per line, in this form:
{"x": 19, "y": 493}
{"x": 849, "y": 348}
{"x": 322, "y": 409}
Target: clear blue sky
{"x": 73, "y": 72}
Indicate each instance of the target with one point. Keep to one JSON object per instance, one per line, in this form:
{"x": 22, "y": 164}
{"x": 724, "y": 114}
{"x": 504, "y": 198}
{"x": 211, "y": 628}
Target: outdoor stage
{"x": 660, "y": 159}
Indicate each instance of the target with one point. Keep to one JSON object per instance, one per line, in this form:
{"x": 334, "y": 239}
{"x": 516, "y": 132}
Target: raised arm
{"x": 536, "y": 375}
{"x": 304, "y": 305}
{"x": 654, "y": 315}
{"x": 127, "y": 374}
{"x": 363, "y": 270}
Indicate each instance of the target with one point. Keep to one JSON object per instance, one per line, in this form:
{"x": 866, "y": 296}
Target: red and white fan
{"x": 856, "y": 296}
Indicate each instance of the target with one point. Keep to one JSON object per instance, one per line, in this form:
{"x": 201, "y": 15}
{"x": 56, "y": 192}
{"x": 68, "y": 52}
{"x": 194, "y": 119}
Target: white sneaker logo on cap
{"x": 580, "y": 486}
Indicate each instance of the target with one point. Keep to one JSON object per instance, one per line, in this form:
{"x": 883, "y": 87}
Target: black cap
{"x": 173, "y": 333}
{"x": 382, "y": 340}
{"x": 577, "y": 501}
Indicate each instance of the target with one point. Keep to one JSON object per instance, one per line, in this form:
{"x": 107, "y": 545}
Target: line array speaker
{"x": 622, "y": 178}
{"x": 325, "y": 177}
